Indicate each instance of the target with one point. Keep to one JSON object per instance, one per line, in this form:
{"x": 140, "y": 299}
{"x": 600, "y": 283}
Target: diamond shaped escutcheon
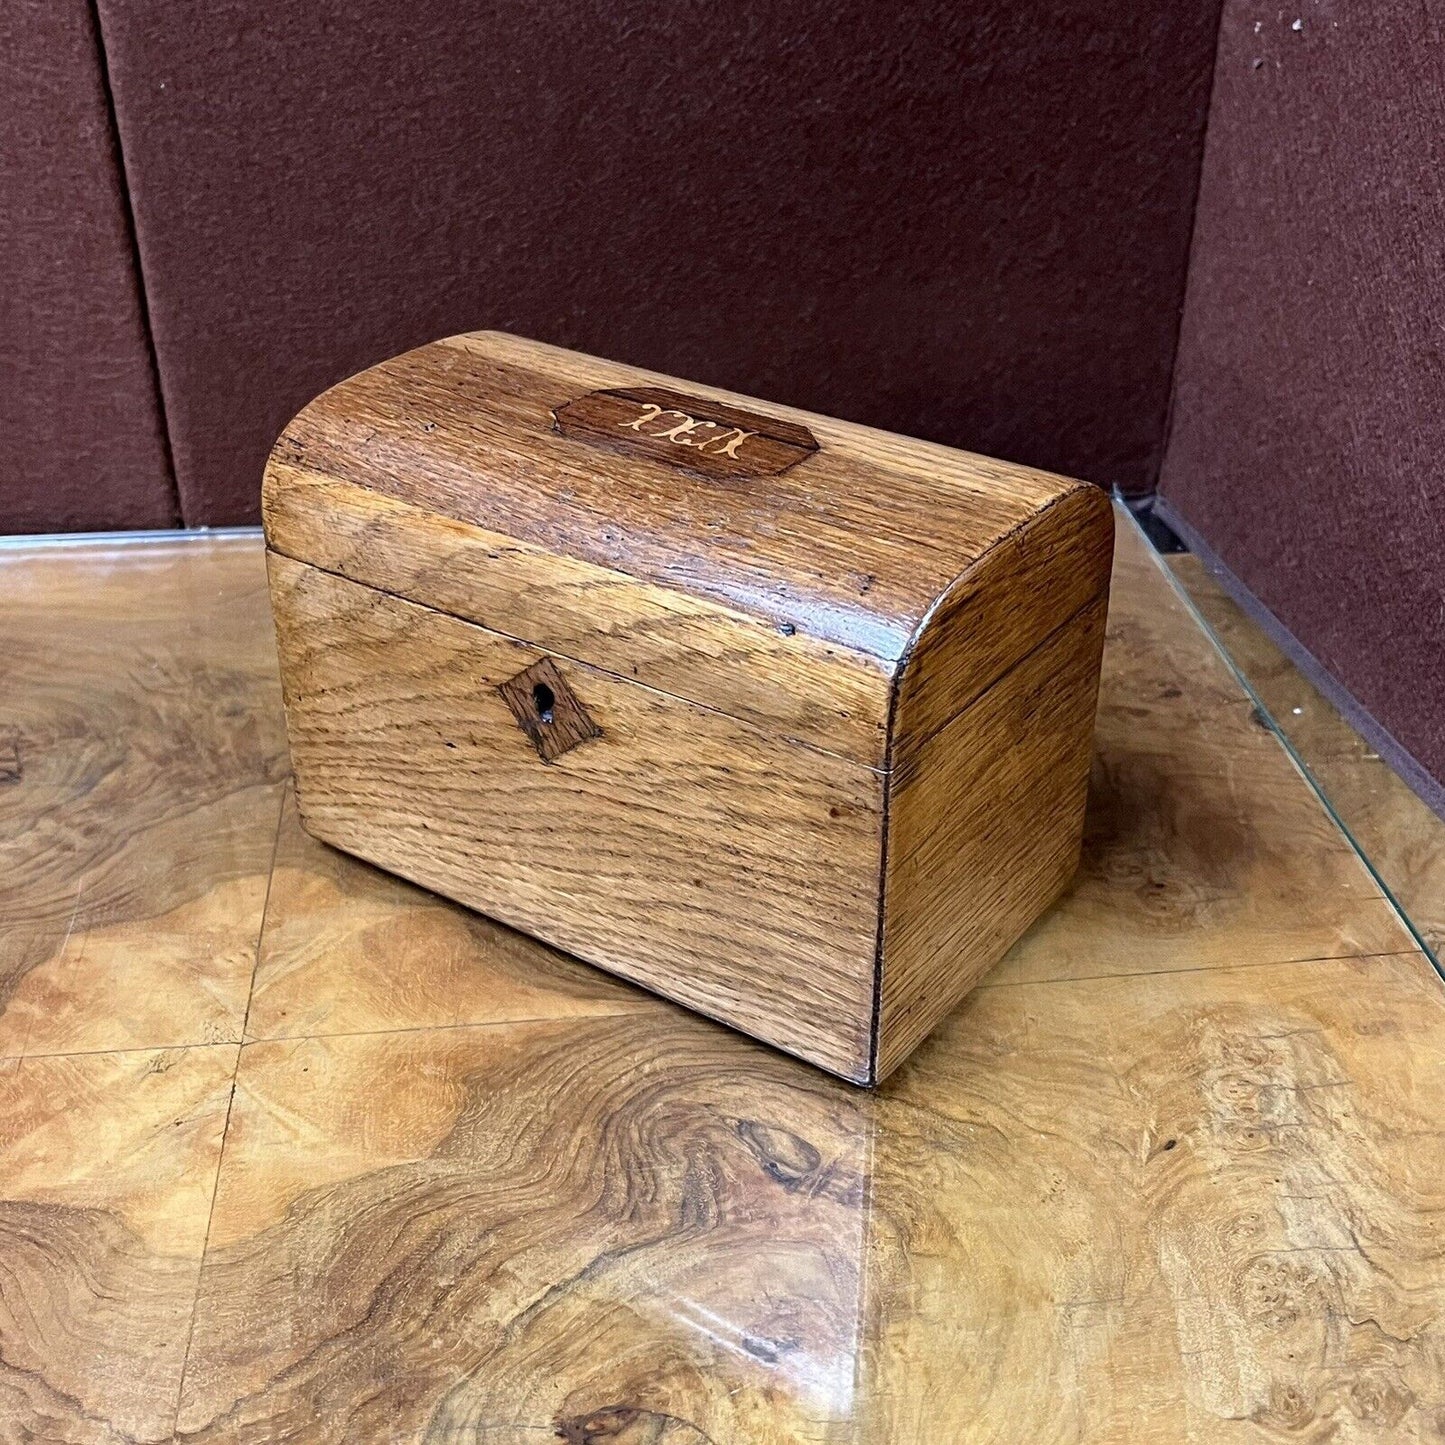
{"x": 547, "y": 710}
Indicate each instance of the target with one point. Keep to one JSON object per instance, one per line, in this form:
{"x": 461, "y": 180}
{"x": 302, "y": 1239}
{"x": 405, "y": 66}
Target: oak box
{"x": 782, "y": 717}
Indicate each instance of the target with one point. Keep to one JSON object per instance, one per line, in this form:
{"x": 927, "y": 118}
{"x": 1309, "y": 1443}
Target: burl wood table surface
{"x": 292, "y": 1151}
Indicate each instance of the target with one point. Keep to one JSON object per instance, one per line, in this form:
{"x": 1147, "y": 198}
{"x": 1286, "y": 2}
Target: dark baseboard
{"x": 1430, "y": 790}
{"x": 1145, "y": 511}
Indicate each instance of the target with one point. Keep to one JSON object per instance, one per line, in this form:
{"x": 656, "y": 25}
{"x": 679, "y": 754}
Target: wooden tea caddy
{"x": 785, "y": 718}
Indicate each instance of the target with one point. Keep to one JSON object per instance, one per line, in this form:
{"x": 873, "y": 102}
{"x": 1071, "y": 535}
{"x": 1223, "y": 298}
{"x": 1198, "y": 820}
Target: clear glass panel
{"x": 1399, "y": 838}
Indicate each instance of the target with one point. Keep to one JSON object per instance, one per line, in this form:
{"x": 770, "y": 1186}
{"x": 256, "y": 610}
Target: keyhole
{"x": 544, "y": 700}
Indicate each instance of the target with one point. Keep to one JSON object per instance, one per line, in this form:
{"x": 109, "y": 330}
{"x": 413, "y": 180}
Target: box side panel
{"x": 984, "y": 828}
{"x": 677, "y": 847}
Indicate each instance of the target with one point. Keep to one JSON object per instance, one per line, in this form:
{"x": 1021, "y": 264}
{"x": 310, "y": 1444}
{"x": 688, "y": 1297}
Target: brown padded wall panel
{"x": 80, "y": 434}
{"x": 965, "y": 222}
{"x": 1308, "y": 424}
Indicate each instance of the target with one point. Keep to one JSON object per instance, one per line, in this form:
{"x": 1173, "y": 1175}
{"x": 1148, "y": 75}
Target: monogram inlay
{"x": 711, "y": 438}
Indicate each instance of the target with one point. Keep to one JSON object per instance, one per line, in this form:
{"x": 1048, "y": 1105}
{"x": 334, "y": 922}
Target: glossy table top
{"x": 293, "y": 1151}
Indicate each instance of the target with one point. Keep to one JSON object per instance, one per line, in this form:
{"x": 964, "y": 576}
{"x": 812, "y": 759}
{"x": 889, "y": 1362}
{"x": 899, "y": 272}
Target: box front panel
{"x": 735, "y": 872}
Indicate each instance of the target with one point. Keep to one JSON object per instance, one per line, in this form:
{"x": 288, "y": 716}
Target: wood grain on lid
{"x": 735, "y": 553}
